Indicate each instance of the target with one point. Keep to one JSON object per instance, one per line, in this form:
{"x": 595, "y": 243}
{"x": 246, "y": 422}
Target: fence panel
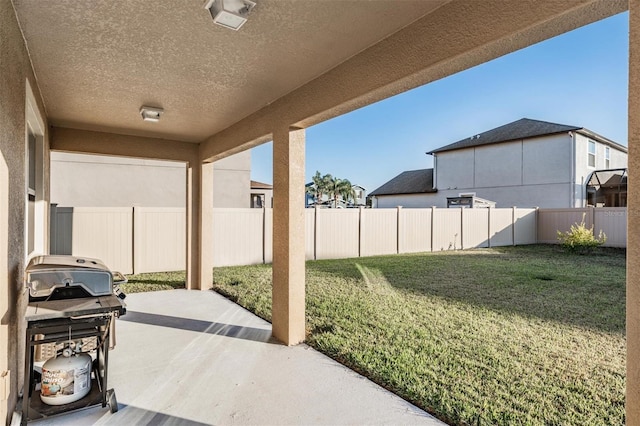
{"x": 475, "y": 228}
{"x": 613, "y": 222}
{"x": 61, "y": 230}
{"x": 550, "y": 221}
{"x": 309, "y": 233}
{"x": 104, "y": 233}
{"x": 245, "y": 236}
{"x": 500, "y": 227}
{"x": 525, "y": 226}
{"x": 237, "y": 236}
{"x": 378, "y": 232}
{"x": 447, "y": 229}
{"x": 160, "y": 239}
{"x": 415, "y": 230}
{"x": 337, "y": 233}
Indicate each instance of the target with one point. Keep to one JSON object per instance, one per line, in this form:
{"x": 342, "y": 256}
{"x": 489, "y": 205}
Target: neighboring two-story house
{"x": 526, "y": 163}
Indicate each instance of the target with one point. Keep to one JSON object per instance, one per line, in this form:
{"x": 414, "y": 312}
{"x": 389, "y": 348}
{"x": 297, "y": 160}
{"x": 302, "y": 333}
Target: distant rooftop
{"x": 523, "y": 129}
{"x": 260, "y": 185}
{"x": 409, "y": 182}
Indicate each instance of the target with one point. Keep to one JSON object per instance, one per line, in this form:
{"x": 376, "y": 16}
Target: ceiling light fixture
{"x": 151, "y": 113}
{"x": 230, "y": 14}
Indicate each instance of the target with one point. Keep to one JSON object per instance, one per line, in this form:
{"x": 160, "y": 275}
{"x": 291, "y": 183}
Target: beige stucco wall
{"x": 232, "y": 181}
{"x": 15, "y": 69}
{"x": 79, "y": 180}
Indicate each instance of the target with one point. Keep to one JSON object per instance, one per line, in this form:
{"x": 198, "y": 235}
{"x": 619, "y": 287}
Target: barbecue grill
{"x": 73, "y": 303}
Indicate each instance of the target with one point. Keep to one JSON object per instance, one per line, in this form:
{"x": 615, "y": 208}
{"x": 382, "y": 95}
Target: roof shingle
{"x": 520, "y": 129}
{"x": 409, "y": 182}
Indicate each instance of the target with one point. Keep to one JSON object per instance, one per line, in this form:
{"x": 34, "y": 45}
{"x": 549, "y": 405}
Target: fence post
{"x": 489, "y": 227}
{"x": 264, "y": 234}
{"x": 461, "y": 228}
{"x": 53, "y": 228}
{"x": 133, "y": 240}
{"x": 433, "y": 215}
{"x": 315, "y": 232}
{"x": 537, "y": 225}
{"x": 360, "y": 231}
{"x": 513, "y": 224}
{"x": 593, "y": 218}
{"x": 399, "y": 209}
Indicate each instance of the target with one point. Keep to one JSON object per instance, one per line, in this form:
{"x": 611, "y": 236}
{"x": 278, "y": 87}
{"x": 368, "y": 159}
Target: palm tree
{"x": 347, "y": 192}
{"x": 319, "y": 186}
{"x": 340, "y": 188}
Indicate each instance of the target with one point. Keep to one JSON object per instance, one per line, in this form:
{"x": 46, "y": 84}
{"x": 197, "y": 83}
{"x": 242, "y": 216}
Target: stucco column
{"x": 288, "y": 236}
{"x": 633, "y": 222}
{"x": 199, "y": 225}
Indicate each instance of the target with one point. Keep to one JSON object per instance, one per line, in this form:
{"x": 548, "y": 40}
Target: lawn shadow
{"x": 533, "y": 281}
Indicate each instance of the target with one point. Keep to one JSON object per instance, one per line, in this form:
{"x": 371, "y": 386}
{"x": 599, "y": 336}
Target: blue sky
{"x": 578, "y": 78}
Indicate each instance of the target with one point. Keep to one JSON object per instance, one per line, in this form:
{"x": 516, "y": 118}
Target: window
{"x": 592, "y": 154}
{"x": 607, "y": 157}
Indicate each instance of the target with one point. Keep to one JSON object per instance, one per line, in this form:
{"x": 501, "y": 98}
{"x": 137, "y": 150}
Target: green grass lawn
{"x": 140, "y": 283}
{"x": 515, "y": 335}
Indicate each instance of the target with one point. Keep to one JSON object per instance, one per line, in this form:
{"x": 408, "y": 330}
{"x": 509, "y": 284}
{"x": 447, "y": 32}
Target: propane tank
{"x": 66, "y": 378}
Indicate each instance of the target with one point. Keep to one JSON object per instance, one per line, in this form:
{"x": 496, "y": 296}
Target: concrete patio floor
{"x": 195, "y": 358}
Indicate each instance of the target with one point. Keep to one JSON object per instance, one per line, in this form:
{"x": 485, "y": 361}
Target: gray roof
{"x": 522, "y": 129}
{"x": 409, "y": 182}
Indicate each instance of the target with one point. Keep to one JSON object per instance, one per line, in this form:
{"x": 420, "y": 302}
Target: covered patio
{"x": 190, "y": 358}
{"x": 75, "y": 75}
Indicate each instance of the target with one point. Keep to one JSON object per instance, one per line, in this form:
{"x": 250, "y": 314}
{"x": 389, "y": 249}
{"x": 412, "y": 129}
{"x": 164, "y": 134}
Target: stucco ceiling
{"x": 97, "y": 62}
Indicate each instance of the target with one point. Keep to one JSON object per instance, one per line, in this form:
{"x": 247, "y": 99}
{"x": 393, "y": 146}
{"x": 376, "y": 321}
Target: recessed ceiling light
{"x": 151, "y": 113}
{"x": 230, "y": 14}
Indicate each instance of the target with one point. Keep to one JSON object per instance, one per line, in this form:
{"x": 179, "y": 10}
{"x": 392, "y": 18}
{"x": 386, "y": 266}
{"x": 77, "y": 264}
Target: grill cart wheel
{"x": 113, "y": 402}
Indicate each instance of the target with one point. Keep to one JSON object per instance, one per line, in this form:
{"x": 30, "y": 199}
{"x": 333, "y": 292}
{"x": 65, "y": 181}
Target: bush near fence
{"x": 144, "y": 239}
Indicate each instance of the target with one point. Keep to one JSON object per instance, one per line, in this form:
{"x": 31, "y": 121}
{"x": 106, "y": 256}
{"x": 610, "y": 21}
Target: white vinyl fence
{"x": 143, "y": 239}
{"x": 610, "y": 220}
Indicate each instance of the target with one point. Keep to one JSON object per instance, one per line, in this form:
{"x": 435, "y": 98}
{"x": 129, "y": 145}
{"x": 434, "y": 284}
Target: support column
{"x": 633, "y": 222}
{"x": 199, "y": 225}
{"x": 288, "y": 293}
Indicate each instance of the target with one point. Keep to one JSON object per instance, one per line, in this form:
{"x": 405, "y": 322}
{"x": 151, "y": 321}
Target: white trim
{"x": 34, "y": 124}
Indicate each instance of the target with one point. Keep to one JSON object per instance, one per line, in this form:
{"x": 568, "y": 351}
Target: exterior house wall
{"x": 546, "y": 172}
{"x": 266, "y": 194}
{"x": 531, "y": 173}
{"x": 497, "y": 165}
{"x": 583, "y": 170}
{"x": 549, "y": 196}
{"x": 79, "y": 180}
{"x": 547, "y": 160}
{"x": 455, "y": 169}
{"x": 232, "y": 181}
{"x": 412, "y": 201}
{"x": 15, "y": 69}
{"x": 618, "y": 159}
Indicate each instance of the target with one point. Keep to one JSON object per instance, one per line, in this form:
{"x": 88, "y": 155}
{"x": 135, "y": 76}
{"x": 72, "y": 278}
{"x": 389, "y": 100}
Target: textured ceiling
{"x": 97, "y": 62}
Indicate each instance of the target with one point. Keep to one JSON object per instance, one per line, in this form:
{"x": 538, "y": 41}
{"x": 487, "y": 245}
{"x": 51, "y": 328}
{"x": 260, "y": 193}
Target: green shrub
{"x": 580, "y": 239}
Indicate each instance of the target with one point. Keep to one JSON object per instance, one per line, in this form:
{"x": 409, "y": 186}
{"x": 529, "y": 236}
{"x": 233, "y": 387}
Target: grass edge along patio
{"x": 509, "y": 335}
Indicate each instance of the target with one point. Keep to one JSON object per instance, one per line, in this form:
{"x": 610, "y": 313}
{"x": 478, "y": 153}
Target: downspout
{"x": 435, "y": 171}
{"x": 572, "y": 200}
